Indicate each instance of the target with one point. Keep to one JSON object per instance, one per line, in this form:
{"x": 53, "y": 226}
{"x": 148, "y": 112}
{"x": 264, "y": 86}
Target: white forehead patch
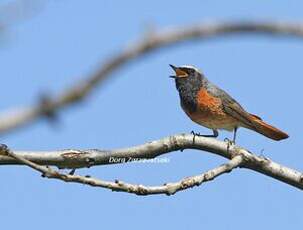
{"x": 191, "y": 67}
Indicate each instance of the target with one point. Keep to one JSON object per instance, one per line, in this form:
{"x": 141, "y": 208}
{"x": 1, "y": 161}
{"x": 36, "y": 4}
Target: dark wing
{"x": 231, "y": 106}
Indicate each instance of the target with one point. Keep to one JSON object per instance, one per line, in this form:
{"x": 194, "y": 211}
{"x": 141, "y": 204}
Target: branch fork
{"x": 237, "y": 156}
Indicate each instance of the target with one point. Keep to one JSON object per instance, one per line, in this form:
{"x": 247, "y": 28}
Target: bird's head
{"x": 186, "y": 74}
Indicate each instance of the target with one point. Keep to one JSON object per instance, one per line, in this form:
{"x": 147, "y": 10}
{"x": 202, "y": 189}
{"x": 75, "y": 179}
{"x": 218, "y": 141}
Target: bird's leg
{"x": 72, "y": 172}
{"x": 234, "y": 137}
{"x": 235, "y": 134}
{"x": 233, "y": 142}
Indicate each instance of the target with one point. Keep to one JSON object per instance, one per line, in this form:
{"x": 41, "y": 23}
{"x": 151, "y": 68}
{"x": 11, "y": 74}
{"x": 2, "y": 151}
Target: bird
{"x": 208, "y": 105}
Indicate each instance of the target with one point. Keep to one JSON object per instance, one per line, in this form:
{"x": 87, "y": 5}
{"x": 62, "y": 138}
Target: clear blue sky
{"x": 67, "y": 40}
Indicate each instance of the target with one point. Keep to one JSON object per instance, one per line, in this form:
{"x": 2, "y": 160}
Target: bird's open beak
{"x": 179, "y": 73}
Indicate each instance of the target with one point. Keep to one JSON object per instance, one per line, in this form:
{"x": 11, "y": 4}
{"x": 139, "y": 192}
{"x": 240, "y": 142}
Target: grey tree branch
{"x": 120, "y": 186}
{"x": 153, "y": 42}
{"x": 87, "y": 158}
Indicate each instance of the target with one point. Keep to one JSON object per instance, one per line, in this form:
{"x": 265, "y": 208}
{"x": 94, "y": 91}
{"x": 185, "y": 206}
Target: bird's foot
{"x": 4, "y": 149}
{"x": 196, "y": 134}
{"x": 203, "y": 135}
{"x": 214, "y": 135}
{"x": 229, "y": 142}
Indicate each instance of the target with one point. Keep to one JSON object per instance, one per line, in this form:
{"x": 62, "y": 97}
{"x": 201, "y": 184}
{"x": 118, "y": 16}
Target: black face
{"x": 186, "y": 74}
{"x": 188, "y": 83}
{"x": 192, "y": 81}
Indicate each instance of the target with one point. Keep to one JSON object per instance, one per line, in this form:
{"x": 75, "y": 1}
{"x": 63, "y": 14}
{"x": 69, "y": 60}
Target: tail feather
{"x": 266, "y": 129}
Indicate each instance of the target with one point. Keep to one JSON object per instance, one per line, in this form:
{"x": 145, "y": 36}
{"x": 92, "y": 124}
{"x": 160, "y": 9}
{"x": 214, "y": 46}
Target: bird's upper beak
{"x": 174, "y": 68}
{"x": 178, "y": 71}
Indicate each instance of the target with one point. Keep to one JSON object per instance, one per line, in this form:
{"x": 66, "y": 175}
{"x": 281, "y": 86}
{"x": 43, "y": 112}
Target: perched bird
{"x": 210, "y": 106}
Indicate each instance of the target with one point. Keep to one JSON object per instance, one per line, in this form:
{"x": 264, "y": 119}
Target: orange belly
{"x": 210, "y": 113}
{"x": 213, "y": 120}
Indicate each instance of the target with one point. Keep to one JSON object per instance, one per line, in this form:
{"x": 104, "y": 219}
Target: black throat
{"x": 188, "y": 89}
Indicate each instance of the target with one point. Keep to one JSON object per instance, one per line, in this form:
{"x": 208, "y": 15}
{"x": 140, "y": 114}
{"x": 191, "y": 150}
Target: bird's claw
{"x": 194, "y": 138}
{"x": 4, "y": 149}
{"x": 229, "y": 143}
{"x": 196, "y": 134}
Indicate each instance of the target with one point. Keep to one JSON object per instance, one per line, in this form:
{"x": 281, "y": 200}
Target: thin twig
{"x": 23, "y": 116}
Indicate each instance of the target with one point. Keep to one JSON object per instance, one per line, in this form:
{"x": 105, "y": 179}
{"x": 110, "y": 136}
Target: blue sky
{"x": 67, "y": 40}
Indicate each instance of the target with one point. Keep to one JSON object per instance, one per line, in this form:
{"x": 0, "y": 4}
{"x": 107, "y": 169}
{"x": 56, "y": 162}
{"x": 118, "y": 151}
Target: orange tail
{"x": 266, "y": 129}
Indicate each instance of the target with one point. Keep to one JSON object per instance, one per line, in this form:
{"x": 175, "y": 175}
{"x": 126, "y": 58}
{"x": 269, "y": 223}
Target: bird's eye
{"x": 188, "y": 71}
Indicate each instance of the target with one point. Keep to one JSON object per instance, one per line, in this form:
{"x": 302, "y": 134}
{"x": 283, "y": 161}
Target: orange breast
{"x": 210, "y": 112}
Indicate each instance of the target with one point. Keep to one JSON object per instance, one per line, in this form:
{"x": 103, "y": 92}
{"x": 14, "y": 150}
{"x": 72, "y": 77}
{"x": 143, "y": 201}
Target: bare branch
{"x": 153, "y": 42}
{"x": 87, "y": 158}
{"x": 119, "y": 186}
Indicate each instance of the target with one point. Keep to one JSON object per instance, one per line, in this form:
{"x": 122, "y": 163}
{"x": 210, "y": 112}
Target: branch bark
{"x": 24, "y": 116}
{"x": 87, "y": 158}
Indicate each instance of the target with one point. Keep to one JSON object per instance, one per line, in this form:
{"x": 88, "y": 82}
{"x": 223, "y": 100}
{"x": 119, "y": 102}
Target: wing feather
{"x": 231, "y": 106}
